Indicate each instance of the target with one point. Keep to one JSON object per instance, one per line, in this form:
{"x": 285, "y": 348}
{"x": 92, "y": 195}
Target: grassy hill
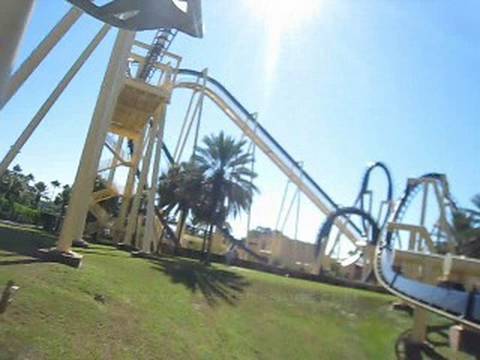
{"x": 118, "y": 307}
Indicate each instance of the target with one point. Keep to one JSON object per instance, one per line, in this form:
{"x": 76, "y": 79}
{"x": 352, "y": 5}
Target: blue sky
{"x": 338, "y": 83}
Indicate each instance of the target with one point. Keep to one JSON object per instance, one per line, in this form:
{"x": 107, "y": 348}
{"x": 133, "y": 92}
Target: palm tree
{"x": 180, "y": 190}
{"x": 56, "y": 185}
{"x": 228, "y": 188}
{"x": 17, "y": 169}
{"x": 168, "y": 185}
{"x": 29, "y": 178}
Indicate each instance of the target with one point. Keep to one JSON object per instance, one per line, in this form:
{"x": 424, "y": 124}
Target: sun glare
{"x": 281, "y": 17}
{"x": 285, "y": 13}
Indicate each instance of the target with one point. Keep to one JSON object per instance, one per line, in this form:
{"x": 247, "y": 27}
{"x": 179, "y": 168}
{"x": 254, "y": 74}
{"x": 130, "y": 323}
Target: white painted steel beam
{"x": 47, "y": 105}
{"x": 41, "y": 52}
{"x": 74, "y": 223}
{"x": 149, "y": 233}
{"x": 14, "y": 18}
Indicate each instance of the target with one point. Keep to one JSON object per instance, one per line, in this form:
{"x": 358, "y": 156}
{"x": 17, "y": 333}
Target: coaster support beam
{"x": 14, "y": 19}
{"x": 149, "y": 226}
{"x": 41, "y": 52}
{"x": 74, "y": 223}
{"x": 51, "y": 100}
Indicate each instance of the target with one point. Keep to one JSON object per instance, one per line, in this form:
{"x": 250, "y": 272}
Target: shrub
{"x": 24, "y": 214}
{"x": 4, "y": 208}
{"x": 47, "y": 221}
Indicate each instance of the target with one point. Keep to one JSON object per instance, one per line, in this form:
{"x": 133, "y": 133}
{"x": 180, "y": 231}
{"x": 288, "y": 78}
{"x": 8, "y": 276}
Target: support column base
{"x": 464, "y": 340}
{"x": 118, "y": 236}
{"x": 126, "y": 247}
{"x": 403, "y": 306}
{"x": 143, "y": 255}
{"x": 71, "y": 258}
{"x": 80, "y": 243}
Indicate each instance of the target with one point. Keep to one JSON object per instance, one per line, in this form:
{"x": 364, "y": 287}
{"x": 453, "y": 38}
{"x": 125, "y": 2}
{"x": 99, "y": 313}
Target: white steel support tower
{"x": 14, "y": 17}
{"x": 129, "y": 107}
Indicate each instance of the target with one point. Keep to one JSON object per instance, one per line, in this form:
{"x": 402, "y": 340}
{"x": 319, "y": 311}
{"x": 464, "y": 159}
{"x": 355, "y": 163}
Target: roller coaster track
{"x": 460, "y": 306}
{"x": 215, "y": 91}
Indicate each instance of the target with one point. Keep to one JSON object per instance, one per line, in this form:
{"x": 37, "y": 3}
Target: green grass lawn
{"x": 178, "y": 309}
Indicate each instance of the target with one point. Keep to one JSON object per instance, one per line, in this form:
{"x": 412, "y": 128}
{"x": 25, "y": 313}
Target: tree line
{"x": 22, "y": 199}
{"x": 215, "y": 184}
{"x": 466, "y": 223}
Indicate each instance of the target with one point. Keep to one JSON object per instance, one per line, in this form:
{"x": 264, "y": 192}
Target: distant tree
{"x": 467, "y": 229}
{"x": 14, "y": 186}
{"x": 40, "y": 192}
{"x": 61, "y": 201}
{"x": 17, "y": 169}
{"x": 29, "y": 178}
{"x": 55, "y": 184}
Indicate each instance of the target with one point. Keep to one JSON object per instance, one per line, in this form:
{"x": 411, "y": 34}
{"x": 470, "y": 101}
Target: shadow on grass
{"x": 22, "y": 242}
{"x": 102, "y": 252}
{"x": 18, "y": 261}
{"x": 216, "y": 285}
{"x": 405, "y": 349}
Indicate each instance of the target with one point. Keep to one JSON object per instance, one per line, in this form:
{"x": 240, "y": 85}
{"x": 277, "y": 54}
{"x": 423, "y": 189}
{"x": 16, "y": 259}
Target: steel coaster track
{"x": 261, "y": 137}
{"x": 457, "y": 305}
{"x": 460, "y": 306}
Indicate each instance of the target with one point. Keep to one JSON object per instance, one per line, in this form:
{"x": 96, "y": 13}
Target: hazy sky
{"x": 338, "y": 83}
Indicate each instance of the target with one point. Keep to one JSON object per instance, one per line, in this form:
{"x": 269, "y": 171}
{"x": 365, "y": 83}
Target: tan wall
{"x": 285, "y": 252}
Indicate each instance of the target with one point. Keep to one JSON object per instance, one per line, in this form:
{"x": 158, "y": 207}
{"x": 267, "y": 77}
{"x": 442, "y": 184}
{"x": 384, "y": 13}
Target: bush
{"x": 5, "y": 209}
{"x": 21, "y": 213}
{"x": 24, "y": 214}
{"x": 47, "y": 221}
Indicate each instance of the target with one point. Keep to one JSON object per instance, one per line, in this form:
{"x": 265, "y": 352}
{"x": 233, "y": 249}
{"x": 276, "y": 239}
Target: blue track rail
{"x": 457, "y": 305}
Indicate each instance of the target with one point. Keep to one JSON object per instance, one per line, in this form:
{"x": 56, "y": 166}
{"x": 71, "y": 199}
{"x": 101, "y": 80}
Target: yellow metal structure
{"x": 139, "y": 116}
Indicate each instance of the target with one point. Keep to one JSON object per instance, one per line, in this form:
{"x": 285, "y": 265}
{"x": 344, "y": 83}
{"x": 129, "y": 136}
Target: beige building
{"x": 282, "y": 251}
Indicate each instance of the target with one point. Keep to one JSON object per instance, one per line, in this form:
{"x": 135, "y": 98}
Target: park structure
{"x": 415, "y": 263}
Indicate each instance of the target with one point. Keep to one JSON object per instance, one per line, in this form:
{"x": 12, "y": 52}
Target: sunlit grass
{"x": 119, "y": 307}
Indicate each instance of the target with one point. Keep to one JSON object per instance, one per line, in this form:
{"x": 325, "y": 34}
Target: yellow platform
{"x": 136, "y": 103}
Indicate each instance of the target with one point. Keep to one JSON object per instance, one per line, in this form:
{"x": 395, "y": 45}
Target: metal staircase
{"x": 161, "y": 43}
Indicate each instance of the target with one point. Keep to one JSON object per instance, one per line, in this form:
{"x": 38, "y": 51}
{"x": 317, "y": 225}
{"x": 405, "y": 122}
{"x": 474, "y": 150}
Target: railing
{"x": 161, "y": 43}
{"x": 167, "y": 69}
